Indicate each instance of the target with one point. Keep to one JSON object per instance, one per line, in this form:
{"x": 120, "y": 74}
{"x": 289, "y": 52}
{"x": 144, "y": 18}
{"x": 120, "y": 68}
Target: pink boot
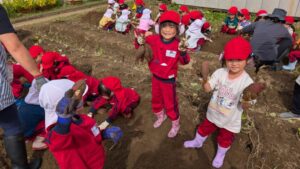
{"x": 219, "y": 158}
{"x": 175, "y": 128}
{"x": 197, "y": 142}
{"x": 161, "y": 117}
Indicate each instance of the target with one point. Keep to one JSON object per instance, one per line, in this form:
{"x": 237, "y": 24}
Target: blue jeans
{"x": 10, "y": 122}
{"x": 30, "y": 116}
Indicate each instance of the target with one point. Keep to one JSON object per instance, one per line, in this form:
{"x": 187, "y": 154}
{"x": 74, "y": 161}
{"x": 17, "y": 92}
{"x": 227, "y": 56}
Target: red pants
{"x": 225, "y": 137}
{"x": 294, "y": 55}
{"x": 227, "y": 30}
{"x": 164, "y": 97}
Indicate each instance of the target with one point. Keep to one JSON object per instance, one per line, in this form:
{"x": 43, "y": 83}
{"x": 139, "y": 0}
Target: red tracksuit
{"x": 77, "y": 145}
{"x": 294, "y": 55}
{"x": 164, "y": 66}
{"x": 123, "y": 101}
{"x": 92, "y": 92}
{"x": 52, "y": 72}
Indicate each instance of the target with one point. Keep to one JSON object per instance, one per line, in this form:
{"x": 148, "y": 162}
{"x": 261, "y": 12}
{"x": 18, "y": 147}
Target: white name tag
{"x": 171, "y": 53}
{"x": 95, "y": 130}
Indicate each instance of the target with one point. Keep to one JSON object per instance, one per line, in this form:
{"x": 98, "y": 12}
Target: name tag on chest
{"x": 171, "y": 53}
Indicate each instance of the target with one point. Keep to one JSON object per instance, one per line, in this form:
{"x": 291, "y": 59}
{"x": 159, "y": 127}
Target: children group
{"x": 75, "y": 140}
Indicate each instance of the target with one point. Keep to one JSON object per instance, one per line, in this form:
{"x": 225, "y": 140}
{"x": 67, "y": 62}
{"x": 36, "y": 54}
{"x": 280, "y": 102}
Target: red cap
{"x": 36, "y": 50}
{"x": 185, "y": 20}
{"x": 205, "y": 26}
{"x": 163, "y": 7}
{"x": 112, "y": 83}
{"x": 196, "y": 15}
{"x": 66, "y": 71}
{"x": 121, "y": 2}
{"x": 233, "y": 10}
{"x": 170, "y": 16}
{"x": 246, "y": 13}
{"x": 237, "y": 49}
{"x": 289, "y": 20}
{"x": 262, "y": 13}
{"x": 139, "y": 2}
{"x": 184, "y": 8}
{"x": 48, "y": 59}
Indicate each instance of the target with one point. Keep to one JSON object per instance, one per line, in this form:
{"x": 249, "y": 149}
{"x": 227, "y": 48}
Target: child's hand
{"x": 141, "y": 39}
{"x": 183, "y": 45}
{"x": 90, "y": 114}
{"x": 208, "y": 39}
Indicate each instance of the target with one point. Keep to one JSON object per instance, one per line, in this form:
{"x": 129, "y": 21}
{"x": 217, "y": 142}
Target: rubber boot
{"x": 16, "y": 151}
{"x": 219, "y": 158}
{"x": 161, "y": 117}
{"x": 291, "y": 66}
{"x": 175, "y": 128}
{"x": 197, "y": 142}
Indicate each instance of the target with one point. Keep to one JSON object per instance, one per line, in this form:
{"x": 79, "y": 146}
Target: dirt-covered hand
{"x": 141, "y": 40}
{"x": 183, "y": 44}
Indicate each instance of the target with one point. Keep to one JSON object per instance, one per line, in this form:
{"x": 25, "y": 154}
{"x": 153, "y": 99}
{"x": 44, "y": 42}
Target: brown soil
{"x": 265, "y": 141}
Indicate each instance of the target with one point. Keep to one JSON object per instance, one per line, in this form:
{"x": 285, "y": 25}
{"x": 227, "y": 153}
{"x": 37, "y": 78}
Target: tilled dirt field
{"x": 265, "y": 141}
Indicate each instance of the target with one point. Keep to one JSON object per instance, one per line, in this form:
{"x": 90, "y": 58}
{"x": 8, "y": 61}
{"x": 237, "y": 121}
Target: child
{"x": 167, "y": 52}
{"x": 123, "y": 22}
{"x": 36, "y": 53}
{"x": 162, "y": 8}
{"x": 52, "y": 63}
{"x": 231, "y": 22}
{"x": 293, "y": 58}
{"x": 145, "y": 24}
{"x": 183, "y": 10}
{"x": 225, "y": 109}
{"x": 195, "y": 37}
{"x": 106, "y": 21}
{"x": 289, "y": 21}
{"x": 261, "y": 15}
{"x": 185, "y": 23}
{"x": 123, "y": 100}
{"x": 140, "y": 6}
{"x": 74, "y": 140}
{"x": 244, "y": 18}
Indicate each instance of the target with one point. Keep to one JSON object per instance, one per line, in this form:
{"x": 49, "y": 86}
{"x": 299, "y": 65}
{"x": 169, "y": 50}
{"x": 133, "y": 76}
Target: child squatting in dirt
{"x": 165, "y": 53}
{"x": 226, "y": 105}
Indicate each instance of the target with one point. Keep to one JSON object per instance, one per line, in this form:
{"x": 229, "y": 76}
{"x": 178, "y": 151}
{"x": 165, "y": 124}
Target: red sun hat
{"x": 48, "y": 59}
{"x": 196, "y": 15}
{"x": 172, "y": 16}
{"x": 163, "y": 7}
{"x": 261, "y": 13}
{"x": 289, "y": 20}
{"x": 139, "y": 2}
{"x": 237, "y": 49}
{"x": 66, "y": 71}
{"x": 246, "y": 13}
{"x": 233, "y": 10}
{"x": 185, "y": 20}
{"x": 205, "y": 26}
{"x": 35, "y": 50}
{"x": 184, "y": 8}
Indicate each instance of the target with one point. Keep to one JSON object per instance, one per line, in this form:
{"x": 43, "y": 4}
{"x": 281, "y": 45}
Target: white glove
{"x": 103, "y": 125}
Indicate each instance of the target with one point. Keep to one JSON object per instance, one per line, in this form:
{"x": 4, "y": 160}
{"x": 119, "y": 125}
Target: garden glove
{"x": 104, "y": 125}
{"x": 40, "y": 80}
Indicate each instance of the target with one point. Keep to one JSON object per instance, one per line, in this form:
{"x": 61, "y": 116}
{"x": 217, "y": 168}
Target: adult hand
{"x": 40, "y": 81}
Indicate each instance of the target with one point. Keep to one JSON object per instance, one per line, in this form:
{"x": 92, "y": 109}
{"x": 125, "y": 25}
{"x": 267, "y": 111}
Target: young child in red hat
{"x": 183, "y": 10}
{"x": 244, "y": 18}
{"x": 52, "y": 63}
{"x": 231, "y": 22}
{"x": 225, "y": 108}
{"x": 167, "y": 51}
{"x": 294, "y": 55}
{"x": 261, "y": 15}
{"x": 140, "y": 6}
{"x": 162, "y": 8}
{"x": 196, "y": 38}
{"x": 111, "y": 92}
